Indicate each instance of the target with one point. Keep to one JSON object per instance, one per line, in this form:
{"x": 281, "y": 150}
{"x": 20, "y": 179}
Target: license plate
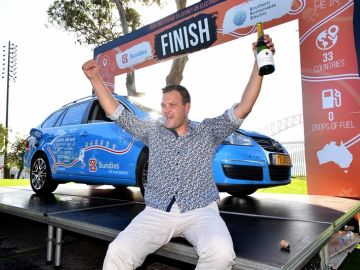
{"x": 280, "y": 160}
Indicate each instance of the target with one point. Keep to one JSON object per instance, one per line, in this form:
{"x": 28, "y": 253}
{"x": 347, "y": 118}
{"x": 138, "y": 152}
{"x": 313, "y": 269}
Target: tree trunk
{"x": 175, "y": 75}
{"x": 130, "y": 84}
{"x": 6, "y": 172}
{"x": 180, "y": 4}
{"x": 130, "y": 77}
{"x": 19, "y": 173}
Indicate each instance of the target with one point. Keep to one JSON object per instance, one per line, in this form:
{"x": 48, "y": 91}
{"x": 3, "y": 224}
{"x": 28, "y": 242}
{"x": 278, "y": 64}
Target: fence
{"x": 296, "y": 151}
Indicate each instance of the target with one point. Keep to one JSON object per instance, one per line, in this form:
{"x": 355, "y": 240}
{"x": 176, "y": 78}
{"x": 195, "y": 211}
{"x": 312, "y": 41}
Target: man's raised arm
{"x": 107, "y": 101}
{"x": 253, "y": 87}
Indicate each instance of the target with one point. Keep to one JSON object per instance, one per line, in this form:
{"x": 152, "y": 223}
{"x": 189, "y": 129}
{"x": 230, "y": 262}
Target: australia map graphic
{"x": 338, "y": 153}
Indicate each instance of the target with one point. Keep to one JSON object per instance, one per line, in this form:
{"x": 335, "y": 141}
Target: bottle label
{"x": 264, "y": 58}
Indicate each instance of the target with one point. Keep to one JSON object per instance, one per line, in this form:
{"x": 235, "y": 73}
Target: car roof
{"x": 87, "y": 98}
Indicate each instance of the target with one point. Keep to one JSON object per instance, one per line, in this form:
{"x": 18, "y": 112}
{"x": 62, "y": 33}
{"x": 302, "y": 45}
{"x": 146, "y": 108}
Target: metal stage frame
{"x": 257, "y": 223}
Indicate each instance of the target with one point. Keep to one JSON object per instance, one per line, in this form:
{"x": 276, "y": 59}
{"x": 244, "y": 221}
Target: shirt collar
{"x": 191, "y": 127}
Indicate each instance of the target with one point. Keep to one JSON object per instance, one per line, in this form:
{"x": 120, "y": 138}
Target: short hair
{"x": 179, "y": 88}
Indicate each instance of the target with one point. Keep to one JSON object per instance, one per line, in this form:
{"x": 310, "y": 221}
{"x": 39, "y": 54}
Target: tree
{"x": 94, "y": 23}
{"x": 3, "y": 148}
{"x": 175, "y": 75}
{"x": 16, "y": 156}
{"x": 3, "y": 137}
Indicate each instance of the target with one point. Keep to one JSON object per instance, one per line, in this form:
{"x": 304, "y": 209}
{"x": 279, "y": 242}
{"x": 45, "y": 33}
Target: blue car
{"x": 78, "y": 143}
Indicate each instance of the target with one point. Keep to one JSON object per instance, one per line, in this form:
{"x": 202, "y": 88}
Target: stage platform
{"x": 257, "y": 223}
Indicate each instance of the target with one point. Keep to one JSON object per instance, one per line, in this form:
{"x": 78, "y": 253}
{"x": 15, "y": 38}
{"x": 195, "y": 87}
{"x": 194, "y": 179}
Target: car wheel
{"x": 40, "y": 176}
{"x": 241, "y": 192}
{"x": 142, "y": 171}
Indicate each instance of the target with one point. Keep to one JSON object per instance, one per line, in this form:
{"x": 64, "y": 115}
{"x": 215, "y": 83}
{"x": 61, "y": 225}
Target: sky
{"x": 49, "y": 72}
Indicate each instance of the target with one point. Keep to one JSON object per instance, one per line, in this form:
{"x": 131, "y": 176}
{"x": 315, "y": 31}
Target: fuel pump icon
{"x": 331, "y": 98}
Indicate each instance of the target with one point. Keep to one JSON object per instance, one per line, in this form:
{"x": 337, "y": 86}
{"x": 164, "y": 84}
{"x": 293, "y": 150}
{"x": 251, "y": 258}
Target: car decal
{"x": 86, "y": 149}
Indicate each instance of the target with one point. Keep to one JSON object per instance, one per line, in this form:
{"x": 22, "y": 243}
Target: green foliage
{"x": 14, "y": 182}
{"x": 15, "y": 157}
{"x": 133, "y": 18}
{"x": 94, "y": 22}
{"x": 297, "y": 186}
{"x": 3, "y": 136}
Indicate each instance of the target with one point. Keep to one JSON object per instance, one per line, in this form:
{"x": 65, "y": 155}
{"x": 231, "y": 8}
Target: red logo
{"x": 125, "y": 58}
{"x": 104, "y": 62}
{"x": 92, "y": 165}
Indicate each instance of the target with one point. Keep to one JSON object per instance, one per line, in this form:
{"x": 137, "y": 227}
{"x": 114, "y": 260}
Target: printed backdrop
{"x": 330, "y": 49}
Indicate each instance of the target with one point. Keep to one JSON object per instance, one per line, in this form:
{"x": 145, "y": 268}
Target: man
{"x": 181, "y": 195}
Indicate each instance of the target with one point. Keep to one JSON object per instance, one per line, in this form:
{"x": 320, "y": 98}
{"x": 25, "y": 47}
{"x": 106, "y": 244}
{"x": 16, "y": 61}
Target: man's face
{"x": 175, "y": 113}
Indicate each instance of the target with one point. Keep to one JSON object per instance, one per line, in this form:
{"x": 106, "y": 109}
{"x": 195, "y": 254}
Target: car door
{"x": 109, "y": 150}
{"x": 68, "y": 140}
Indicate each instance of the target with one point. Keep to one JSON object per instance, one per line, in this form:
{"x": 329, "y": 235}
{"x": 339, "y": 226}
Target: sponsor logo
{"x": 251, "y": 12}
{"x": 109, "y": 165}
{"x": 134, "y": 55}
{"x": 92, "y": 165}
{"x": 104, "y": 62}
{"x": 125, "y": 59}
{"x": 240, "y": 17}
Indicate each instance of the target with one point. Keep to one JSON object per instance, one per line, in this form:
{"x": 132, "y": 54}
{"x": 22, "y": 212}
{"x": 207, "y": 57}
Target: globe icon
{"x": 239, "y": 17}
{"x": 327, "y": 38}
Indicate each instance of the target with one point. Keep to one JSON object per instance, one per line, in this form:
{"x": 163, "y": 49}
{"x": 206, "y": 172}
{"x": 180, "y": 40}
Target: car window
{"x": 50, "y": 121}
{"x": 74, "y": 114}
{"x": 97, "y": 114}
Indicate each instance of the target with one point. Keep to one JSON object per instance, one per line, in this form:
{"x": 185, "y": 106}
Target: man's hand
{"x": 91, "y": 69}
{"x": 269, "y": 43}
{"x": 107, "y": 101}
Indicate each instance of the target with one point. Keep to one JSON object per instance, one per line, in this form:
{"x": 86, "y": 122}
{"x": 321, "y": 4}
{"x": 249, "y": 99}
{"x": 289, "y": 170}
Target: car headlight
{"x": 238, "y": 139}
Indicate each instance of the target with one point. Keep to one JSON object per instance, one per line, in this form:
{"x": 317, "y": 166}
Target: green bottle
{"x": 264, "y": 55}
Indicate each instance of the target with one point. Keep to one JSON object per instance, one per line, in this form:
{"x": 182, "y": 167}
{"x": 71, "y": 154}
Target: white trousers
{"x": 152, "y": 228}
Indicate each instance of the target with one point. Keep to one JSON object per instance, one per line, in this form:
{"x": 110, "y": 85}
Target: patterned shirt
{"x": 180, "y": 167}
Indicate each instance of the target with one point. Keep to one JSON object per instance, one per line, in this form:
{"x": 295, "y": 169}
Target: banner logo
{"x": 134, "y": 55}
{"x": 104, "y": 62}
{"x": 239, "y": 18}
{"x": 251, "y": 12}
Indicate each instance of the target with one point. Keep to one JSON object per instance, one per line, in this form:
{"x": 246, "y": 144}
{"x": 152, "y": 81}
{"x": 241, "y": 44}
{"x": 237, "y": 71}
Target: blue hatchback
{"x": 78, "y": 143}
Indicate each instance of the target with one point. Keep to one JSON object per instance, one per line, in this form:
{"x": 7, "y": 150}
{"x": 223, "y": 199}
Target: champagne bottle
{"x": 264, "y": 55}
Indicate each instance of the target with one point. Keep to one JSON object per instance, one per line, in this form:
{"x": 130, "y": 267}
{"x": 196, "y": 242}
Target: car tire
{"x": 142, "y": 170}
{"x": 40, "y": 176}
{"x": 242, "y": 192}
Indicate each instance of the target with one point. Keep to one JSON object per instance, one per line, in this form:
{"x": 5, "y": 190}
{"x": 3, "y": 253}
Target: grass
{"x": 297, "y": 186}
{"x": 14, "y": 182}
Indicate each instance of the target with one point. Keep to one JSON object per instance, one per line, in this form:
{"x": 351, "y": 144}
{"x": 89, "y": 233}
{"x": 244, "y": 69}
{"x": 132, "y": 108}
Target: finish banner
{"x": 330, "y": 58}
{"x": 197, "y": 27}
